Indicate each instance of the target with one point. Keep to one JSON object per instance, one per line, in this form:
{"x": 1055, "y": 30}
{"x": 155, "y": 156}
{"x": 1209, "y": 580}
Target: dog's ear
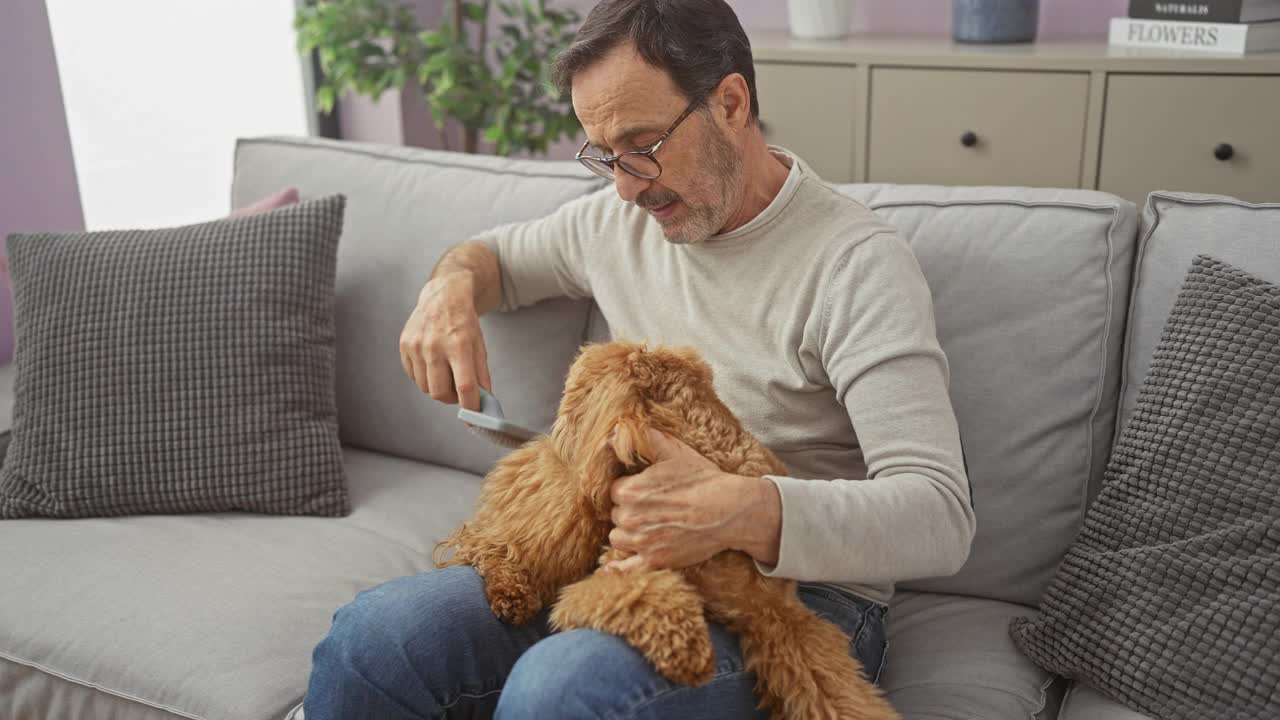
{"x": 592, "y": 406}
{"x": 623, "y": 451}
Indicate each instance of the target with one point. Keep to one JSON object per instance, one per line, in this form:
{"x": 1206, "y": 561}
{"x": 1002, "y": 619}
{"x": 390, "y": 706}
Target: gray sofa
{"x": 1049, "y": 303}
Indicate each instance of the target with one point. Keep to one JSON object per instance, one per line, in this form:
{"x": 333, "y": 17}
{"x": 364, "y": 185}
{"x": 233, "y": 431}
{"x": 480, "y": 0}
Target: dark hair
{"x": 698, "y": 42}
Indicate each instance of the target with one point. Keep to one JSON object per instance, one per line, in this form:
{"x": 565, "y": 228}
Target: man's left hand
{"x": 679, "y": 511}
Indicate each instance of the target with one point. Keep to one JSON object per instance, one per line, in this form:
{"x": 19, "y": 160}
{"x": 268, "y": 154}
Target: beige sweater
{"x": 819, "y": 326}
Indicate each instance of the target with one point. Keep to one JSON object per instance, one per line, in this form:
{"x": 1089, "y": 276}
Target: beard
{"x": 721, "y": 175}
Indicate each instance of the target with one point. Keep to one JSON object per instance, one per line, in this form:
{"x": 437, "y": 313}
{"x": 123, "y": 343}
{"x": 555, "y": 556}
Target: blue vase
{"x": 994, "y": 21}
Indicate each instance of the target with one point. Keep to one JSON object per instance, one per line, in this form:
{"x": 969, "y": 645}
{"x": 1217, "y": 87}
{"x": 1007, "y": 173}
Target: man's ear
{"x": 735, "y": 101}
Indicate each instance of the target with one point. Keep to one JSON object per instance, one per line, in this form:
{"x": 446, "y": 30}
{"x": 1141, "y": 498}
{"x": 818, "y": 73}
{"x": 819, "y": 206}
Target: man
{"x": 818, "y": 323}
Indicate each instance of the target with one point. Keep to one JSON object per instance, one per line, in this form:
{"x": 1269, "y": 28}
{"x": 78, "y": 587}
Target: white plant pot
{"x": 819, "y": 19}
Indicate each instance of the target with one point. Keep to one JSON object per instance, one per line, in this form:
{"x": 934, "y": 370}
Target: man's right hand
{"x": 441, "y": 347}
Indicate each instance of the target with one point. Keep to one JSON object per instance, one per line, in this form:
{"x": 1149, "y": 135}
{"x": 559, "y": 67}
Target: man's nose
{"x": 629, "y": 186}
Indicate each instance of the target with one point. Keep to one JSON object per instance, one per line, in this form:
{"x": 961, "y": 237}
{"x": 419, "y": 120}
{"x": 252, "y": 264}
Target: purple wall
{"x": 38, "y": 190}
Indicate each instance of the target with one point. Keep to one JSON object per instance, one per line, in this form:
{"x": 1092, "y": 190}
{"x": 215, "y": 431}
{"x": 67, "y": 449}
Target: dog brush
{"x": 492, "y": 425}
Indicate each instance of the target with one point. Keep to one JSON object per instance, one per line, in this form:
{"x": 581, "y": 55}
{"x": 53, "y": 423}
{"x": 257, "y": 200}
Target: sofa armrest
{"x": 1084, "y": 703}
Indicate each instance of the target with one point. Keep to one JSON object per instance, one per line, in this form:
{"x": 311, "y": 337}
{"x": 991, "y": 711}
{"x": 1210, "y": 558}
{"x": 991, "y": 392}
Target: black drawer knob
{"x": 1224, "y": 151}
{"x": 969, "y": 138}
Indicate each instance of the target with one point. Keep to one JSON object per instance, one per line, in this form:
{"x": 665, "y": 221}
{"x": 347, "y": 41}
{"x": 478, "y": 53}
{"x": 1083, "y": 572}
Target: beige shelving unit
{"x": 926, "y": 110}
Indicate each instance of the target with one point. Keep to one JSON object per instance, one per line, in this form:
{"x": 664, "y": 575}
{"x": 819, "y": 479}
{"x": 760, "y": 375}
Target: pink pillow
{"x": 276, "y": 200}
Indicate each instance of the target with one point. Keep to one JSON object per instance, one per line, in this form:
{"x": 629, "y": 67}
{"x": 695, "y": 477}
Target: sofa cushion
{"x": 950, "y": 658}
{"x": 1084, "y": 703}
{"x": 1175, "y": 567}
{"x": 1029, "y": 290}
{"x": 207, "y": 616}
{"x": 186, "y": 369}
{"x": 405, "y": 207}
{"x": 1175, "y": 228}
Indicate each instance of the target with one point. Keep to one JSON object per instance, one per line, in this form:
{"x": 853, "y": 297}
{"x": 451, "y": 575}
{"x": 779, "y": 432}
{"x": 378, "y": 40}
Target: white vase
{"x": 819, "y": 19}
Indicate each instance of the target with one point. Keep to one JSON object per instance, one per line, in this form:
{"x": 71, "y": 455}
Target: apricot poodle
{"x": 544, "y": 520}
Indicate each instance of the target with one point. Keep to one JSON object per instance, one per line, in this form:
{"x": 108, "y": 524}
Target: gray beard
{"x": 723, "y": 169}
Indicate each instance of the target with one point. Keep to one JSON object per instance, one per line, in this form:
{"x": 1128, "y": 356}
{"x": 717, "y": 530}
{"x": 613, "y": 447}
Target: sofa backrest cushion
{"x": 405, "y": 207}
{"x": 1175, "y": 228}
{"x": 1029, "y": 289}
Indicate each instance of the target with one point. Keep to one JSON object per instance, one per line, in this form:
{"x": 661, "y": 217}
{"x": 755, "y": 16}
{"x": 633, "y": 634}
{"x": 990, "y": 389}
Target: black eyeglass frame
{"x": 612, "y": 162}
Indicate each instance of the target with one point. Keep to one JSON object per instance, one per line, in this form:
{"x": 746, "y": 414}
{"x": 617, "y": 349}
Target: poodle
{"x": 544, "y": 519}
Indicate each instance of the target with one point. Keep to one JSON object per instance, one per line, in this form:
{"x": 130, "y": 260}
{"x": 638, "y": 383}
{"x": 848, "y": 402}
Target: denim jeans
{"x": 427, "y": 646}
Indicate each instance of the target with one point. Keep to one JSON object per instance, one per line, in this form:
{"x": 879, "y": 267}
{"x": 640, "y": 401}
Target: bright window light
{"x": 156, "y": 93}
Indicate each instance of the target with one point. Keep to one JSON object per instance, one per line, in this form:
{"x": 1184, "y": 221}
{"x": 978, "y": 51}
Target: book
{"x": 1227, "y": 38}
{"x": 1217, "y": 11}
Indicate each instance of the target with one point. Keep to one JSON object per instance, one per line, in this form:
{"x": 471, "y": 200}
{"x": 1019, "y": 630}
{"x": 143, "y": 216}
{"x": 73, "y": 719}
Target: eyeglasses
{"x": 640, "y": 163}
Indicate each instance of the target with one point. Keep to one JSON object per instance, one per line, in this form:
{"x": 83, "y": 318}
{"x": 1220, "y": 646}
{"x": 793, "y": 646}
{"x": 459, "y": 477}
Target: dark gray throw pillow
{"x": 179, "y": 370}
{"x": 1169, "y": 599}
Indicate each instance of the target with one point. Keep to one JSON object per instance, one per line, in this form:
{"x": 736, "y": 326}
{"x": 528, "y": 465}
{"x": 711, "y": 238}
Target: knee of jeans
{"x": 373, "y": 630}
{"x": 573, "y": 675}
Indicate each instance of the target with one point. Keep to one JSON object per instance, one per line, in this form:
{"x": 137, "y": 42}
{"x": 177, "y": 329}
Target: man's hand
{"x": 441, "y": 347}
{"x": 682, "y": 510}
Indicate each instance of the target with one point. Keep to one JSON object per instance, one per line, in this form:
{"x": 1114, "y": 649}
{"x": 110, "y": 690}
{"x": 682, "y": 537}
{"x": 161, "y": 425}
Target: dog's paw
{"x": 683, "y": 654}
{"x": 510, "y": 595}
{"x": 513, "y": 606}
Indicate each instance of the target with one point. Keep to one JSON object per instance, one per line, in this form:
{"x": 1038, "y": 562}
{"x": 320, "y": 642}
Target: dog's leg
{"x": 802, "y": 663}
{"x": 512, "y": 596}
{"x": 656, "y": 611}
{"x": 531, "y": 535}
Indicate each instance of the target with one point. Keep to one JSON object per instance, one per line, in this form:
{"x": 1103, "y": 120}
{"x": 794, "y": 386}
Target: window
{"x": 156, "y": 93}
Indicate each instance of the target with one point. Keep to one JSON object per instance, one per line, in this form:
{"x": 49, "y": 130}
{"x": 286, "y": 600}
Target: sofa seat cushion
{"x": 950, "y": 658}
{"x": 1029, "y": 289}
{"x": 1084, "y": 703}
{"x": 204, "y": 616}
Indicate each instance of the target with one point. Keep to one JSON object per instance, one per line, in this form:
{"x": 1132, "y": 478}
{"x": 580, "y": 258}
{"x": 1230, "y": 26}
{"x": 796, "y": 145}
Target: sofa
{"x": 1048, "y": 302}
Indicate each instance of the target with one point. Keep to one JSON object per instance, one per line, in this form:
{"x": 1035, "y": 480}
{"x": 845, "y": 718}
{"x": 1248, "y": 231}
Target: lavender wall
{"x": 38, "y": 188}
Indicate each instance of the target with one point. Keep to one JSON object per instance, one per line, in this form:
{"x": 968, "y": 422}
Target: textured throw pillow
{"x": 179, "y": 370}
{"x": 1169, "y": 599}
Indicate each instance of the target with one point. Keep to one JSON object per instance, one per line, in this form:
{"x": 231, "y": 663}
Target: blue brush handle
{"x": 489, "y": 405}
{"x": 490, "y": 417}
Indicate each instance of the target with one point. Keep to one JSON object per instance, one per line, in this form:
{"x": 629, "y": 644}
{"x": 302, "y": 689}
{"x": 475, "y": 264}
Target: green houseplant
{"x": 499, "y": 87}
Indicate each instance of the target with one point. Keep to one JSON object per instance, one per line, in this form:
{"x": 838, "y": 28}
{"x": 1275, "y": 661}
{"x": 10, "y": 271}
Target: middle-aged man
{"x": 818, "y": 323}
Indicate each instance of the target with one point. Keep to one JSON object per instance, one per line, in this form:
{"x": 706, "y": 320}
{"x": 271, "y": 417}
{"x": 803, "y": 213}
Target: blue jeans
{"x": 427, "y": 646}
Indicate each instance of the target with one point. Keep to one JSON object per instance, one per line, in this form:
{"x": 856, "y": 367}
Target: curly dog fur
{"x": 543, "y": 521}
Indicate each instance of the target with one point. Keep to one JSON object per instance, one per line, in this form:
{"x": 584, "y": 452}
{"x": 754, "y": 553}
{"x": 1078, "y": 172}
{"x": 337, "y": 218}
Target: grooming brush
{"x": 490, "y": 424}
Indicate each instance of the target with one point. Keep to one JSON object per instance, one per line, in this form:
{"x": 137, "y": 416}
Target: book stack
{"x": 1233, "y": 27}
